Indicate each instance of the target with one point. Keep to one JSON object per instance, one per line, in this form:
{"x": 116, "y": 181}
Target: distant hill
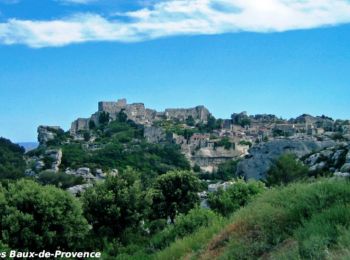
{"x": 28, "y": 146}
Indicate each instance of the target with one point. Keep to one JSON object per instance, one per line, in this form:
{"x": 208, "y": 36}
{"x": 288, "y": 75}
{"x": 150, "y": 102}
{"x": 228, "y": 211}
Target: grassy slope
{"x": 301, "y": 221}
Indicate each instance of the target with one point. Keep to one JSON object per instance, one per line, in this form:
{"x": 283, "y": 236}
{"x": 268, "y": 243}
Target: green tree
{"x": 286, "y": 169}
{"x": 239, "y": 194}
{"x": 92, "y": 124}
{"x": 114, "y": 205}
{"x": 190, "y": 121}
{"x": 103, "y": 118}
{"x": 35, "y": 217}
{"x": 12, "y": 164}
{"x": 174, "y": 192}
{"x": 227, "y": 170}
{"x": 122, "y": 117}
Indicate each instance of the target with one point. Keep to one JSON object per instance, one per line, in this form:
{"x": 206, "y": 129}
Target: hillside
{"x": 180, "y": 184}
{"x": 301, "y": 221}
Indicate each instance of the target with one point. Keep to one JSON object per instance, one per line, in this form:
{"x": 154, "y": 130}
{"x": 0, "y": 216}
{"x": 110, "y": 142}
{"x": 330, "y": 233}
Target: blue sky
{"x": 59, "y": 58}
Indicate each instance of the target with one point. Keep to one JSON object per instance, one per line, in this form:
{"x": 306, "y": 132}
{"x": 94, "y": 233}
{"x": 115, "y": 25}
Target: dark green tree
{"x": 103, "y": 118}
{"x": 286, "y": 169}
{"x": 122, "y": 117}
{"x": 114, "y": 205}
{"x": 174, "y": 192}
{"x": 227, "y": 170}
{"x": 12, "y": 164}
{"x": 239, "y": 194}
{"x": 35, "y": 217}
{"x": 190, "y": 121}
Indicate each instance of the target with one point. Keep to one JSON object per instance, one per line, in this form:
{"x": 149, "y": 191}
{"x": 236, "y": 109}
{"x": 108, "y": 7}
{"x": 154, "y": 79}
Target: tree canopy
{"x": 173, "y": 193}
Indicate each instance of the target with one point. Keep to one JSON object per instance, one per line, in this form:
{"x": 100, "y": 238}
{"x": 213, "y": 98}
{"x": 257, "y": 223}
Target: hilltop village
{"x": 204, "y": 140}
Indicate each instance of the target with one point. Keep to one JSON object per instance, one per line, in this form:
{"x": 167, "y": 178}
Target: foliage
{"x": 190, "y": 121}
{"x": 235, "y": 196}
{"x": 186, "y": 246}
{"x": 12, "y": 164}
{"x": 225, "y": 142}
{"x": 173, "y": 193}
{"x": 73, "y": 156}
{"x": 286, "y": 169}
{"x": 114, "y": 205}
{"x": 185, "y": 225}
{"x": 244, "y": 142}
{"x": 103, "y": 118}
{"x": 227, "y": 170}
{"x": 301, "y": 221}
{"x": 34, "y": 218}
{"x": 59, "y": 179}
{"x": 60, "y": 137}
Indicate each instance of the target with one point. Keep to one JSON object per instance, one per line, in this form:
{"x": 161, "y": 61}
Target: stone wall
{"x": 80, "y": 124}
{"x": 199, "y": 113}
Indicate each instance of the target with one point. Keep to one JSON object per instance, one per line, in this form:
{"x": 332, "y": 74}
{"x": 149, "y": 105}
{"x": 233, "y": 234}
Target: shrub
{"x": 173, "y": 193}
{"x": 60, "y": 179}
{"x": 286, "y": 169}
{"x": 12, "y": 164}
{"x": 185, "y": 224}
{"x": 239, "y": 194}
{"x": 34, "y": 218}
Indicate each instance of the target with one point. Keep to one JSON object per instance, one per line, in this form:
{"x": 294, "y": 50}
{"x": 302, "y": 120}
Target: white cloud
{"x": 179, "y": 17}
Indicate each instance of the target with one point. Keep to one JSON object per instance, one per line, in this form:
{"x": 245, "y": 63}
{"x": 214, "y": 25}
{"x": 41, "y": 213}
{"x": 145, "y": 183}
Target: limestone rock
{"x": 39, "y": 165}
{"x": 78, "y": 189}
{"x": 47, "y": 133}
{"x": 56, "y": 157}
{"x": 85, "y": 172}
{"x": 345, "y": 168}
{"x": 260, "y": 157}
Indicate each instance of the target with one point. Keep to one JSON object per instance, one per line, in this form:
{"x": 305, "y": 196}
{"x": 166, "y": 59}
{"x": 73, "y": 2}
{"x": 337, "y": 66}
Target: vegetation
{"x": 150, "y": 209}
{"x": 59, "y": 179}
{"x": 12, "y": 164}
{"x": 235, "y": 196}
{"x": 114, "y": 205}
{"x": 173, "y": 193}
{"x": 35, "y": 217}
{"x": 286, "y": 169}
{"x": 301, "y": 221}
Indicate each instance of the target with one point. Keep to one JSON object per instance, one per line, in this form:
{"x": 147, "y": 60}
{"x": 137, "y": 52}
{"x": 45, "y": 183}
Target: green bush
{"x": 185, "y": 224}
{"x": 286, "y": 169}
{"x": 114, "y": 205}
{"x": 35, "y": 218}
{"x": 308, "y": 217}
{"x": 59, "y": 179}
{"x": 237, "y": 195}
{"x": 174, "y": 193}
{"x": 12, "y": 164}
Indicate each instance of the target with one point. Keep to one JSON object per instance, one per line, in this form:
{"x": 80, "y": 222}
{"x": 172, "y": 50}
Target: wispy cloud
{"x": 179, "y": 17}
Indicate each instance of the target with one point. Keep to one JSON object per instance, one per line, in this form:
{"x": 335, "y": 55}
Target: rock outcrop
{"x": 48, "y": 133}
{"x": 261, "y": 156}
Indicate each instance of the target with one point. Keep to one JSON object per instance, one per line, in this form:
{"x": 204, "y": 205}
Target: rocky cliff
{"x": 261, "y": 156}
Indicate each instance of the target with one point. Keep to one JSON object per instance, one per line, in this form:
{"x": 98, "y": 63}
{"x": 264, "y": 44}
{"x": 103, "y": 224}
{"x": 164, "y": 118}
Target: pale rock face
{"x": 79, "y": 125}
{"x": 345, "y": 168}
{"x": 261, "y": 156}
{"x": 78, "y": 189}
{"x": 56, "y": 156}
{"x": 39, "y": 165}
{"x": 199, "y": 113}
{"x": 85, "y": 173}
{"x": 47, "y": 133}
{"x": 347, "y": 157}
{"x": 154, "y": 134}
